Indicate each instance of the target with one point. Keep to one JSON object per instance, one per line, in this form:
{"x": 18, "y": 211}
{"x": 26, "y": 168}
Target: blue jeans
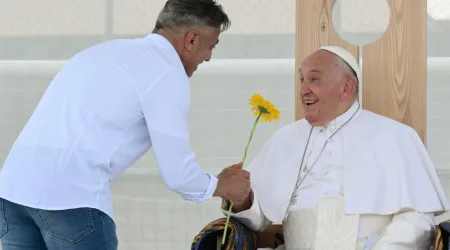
{"x": 25, "y": 228}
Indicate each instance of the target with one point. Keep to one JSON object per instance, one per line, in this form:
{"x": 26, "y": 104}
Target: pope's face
{"x": 322, "y": 79}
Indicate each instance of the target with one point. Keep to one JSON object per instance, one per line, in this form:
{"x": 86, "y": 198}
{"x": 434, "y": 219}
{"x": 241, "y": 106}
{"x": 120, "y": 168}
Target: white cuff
{"x": 211, "y": 188}
{"x": 209, "y": 192}
{"x": 253, "y": 217}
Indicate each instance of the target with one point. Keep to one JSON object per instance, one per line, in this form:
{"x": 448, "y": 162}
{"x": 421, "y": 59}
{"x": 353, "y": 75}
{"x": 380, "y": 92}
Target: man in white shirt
{"x": 343, "y": 178}
{"x": 108, "y": 105}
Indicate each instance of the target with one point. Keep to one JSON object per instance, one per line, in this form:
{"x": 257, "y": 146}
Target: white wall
{"x": 147, "y": 214}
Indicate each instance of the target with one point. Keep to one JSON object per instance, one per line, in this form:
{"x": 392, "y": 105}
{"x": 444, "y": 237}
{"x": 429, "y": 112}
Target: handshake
{"x": 233, "y": 184}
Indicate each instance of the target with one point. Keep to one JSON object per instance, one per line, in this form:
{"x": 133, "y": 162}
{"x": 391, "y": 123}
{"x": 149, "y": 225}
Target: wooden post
{"x": 395, "y": 67}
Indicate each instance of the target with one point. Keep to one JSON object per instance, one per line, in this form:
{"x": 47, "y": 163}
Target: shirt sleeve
{"x": 166, "y": 110}
{"x": 253, "y": 218}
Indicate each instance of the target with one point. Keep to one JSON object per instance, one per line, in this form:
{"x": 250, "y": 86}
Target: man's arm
{"x": 165, "y": 107}
{"x": 248, "y": 212}
{"x": 408, "y": 231}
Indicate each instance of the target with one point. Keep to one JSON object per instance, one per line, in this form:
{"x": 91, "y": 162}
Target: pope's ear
{"x": 349, "y": 88}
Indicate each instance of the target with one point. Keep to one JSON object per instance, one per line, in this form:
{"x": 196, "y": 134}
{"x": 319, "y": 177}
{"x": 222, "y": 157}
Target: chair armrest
{"x": 268, "y": 238}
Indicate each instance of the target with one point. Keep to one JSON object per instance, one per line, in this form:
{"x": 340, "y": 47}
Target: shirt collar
{"x": 163, "y": 41}
{"x": 160, "y": 39}
{"x": 342, "y": 119}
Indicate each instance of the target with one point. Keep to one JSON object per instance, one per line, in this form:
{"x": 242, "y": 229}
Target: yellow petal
{"x": 261, "y": 106}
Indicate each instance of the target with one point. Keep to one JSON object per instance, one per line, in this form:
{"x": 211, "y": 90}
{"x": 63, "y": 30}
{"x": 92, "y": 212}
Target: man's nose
{"x": 304, "y": 89}
{"x": 209, "y": 57}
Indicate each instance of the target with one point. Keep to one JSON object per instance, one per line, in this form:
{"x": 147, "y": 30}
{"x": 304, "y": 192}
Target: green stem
{"x": 226, "y": 223}
{"x": 250, "y": 138}
{"x": 243, "y": 159}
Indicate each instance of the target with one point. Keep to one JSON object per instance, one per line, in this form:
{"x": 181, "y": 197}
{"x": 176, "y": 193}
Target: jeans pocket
{"x": 68, "y": 226}
{"x": 3, "y": 223}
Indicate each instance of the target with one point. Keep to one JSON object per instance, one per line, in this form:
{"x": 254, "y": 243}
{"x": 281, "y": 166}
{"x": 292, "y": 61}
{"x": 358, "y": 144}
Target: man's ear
{"x": 349, "y": 88}
{"x": 192, "y": 40}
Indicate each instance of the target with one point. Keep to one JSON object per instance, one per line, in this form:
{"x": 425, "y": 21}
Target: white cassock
{"x": 364, "y": 181}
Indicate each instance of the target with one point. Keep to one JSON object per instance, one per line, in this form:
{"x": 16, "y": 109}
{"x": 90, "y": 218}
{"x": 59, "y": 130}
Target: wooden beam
{"x": 395, "y": 67}
{"x": 314, "y": 29}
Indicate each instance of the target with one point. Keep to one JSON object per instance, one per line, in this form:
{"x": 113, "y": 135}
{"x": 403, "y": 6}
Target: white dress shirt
{"x": 107, "y": 106}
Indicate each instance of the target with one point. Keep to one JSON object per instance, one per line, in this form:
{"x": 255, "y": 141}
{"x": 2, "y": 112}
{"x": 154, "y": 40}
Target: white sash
{"x": 327, "y": 227}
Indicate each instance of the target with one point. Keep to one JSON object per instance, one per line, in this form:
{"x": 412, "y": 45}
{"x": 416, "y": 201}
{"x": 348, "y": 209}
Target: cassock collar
{"x": 342, "y": 119}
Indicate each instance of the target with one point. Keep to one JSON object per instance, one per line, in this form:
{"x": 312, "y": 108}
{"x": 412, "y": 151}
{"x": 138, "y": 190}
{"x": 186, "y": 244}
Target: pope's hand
{"x": 243, "y": 204}
{"x": 233, "y": 184}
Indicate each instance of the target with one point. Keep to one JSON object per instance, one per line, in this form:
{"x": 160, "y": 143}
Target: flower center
{"x": 263, "y": 110}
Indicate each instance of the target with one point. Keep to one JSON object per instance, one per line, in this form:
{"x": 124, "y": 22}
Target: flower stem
{"x": 250, "y": 138}
{"x": 243, "y": 160}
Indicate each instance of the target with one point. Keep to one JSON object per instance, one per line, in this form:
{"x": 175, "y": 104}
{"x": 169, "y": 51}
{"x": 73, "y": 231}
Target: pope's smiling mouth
{"x": 309, "y": 103}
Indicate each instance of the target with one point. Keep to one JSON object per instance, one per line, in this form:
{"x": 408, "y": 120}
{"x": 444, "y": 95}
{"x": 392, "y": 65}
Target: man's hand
{"x": 233, "y": 184}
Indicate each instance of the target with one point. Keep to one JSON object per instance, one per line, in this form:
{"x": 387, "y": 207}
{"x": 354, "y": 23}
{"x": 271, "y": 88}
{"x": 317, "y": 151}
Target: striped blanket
{"x": 442, "y": 236}
{"x": 238, "y": 236}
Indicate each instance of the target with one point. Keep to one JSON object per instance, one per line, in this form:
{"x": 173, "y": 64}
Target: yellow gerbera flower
{"x": 264, "y": 108}
{"x": 264, "y": 111}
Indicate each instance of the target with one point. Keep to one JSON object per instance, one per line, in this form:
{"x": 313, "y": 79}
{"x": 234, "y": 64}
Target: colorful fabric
{"x": 239, "y": 236}
{"x": 442, "y": 236}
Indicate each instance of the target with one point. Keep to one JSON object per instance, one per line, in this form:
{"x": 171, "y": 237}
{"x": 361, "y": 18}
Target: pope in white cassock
{"x": 343, "y": 177}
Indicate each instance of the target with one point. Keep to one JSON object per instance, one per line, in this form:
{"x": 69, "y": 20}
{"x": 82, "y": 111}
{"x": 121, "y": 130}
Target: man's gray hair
{"x": 190, "y": 13}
